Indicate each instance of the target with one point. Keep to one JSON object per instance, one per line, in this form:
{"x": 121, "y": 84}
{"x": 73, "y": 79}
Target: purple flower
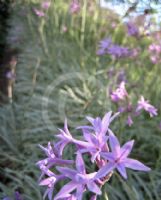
{"x": 118, "y": 51}
{"x": 64, "y": 137}
{"x": 129, "y": 120}
{"x": 96, "y": 136}
{"x": 143, "y": 104}
{"x": 100, "y": 126}
{"x": 74, "y": 7}
{"x": 80, "y": 181}
{"x": 118, "y": 158}
{"x": 155, "y": 48}
{"x": 53, "y": 158}
{"x": 120, "y": 93}
{"x": 132, "y": 29}
{"x": 18, "y": 196}
{"x": 45, "y": 5}
{"x": 39, "y": 13}
{"x": 50, "y": 183}
{"x": 107, "y": 47}
{"x": 104, "y": 46}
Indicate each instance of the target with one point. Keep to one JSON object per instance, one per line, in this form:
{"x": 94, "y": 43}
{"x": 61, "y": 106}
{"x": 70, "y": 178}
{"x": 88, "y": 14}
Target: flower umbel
{"x": 99, "y": 147}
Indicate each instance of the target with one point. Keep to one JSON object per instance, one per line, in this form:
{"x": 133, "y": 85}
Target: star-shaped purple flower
{"x": 118, "y": 158}
{"x": 96, "y": 136}
{"x": 120, "y": 93}
{"x": 80, "y": 181}
{"x": 145, "y": 105}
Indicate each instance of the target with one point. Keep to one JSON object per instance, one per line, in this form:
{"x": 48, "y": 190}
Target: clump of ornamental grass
{"x": 104, "y": 152}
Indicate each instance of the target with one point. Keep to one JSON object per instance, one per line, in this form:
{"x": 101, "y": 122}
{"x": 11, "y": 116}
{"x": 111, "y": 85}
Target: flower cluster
{"x": 103, "y": 150}
{"x": 107, "y": 47}
{"x": 155, "y": 51}
{"x": 44, "y": 6}
{"x": 120, "y": 96}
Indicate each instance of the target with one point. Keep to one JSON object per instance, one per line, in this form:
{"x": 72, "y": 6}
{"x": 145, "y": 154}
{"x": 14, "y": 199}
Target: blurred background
{"x": 55, "y": 63}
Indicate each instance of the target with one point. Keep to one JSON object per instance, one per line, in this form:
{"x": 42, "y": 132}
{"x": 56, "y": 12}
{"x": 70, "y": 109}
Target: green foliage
{"x": 58, "y": 76}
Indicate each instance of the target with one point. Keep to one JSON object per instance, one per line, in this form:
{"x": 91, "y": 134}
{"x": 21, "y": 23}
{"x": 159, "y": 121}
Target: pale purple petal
{"x": 104, "y": 170}
{"x": 80, "y": 163}
{"x": 135, "y": 165}
{"x": 82, "y": 143}
{"x": 66, "y": 128}
{"x": 70, "y": 173}
{"x": 65, "y": 190}
{"x": 49, "y": 192}
{"x": 48, "y": 181}
{"x": 126, "y": 149}
{"x": 106, "y": 122}
{"x": 79, "y": 193}
{"x": 97, "y": 125}
{"x": 93, "y": 187}
{"x": 114, "y": 116}
{"x": 108, "y": 156}
{"x": 114, "y": 143}
{"x": 90, "y": 119}
{"x": 122, "y": 170}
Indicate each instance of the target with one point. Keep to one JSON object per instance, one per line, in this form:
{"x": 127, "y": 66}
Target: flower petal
{"x": 80, "y": 163}
{"x": 79, "y": 193}
{"x": 114, "y": 143}
{"x": 108, "y": 156}
{"x": 135, "y": 165}
{"x": 102, "y": 172}
{"x": 70, "y": 173}
{"x": 93, "y": 187}
{"x": 90, "y": 119}
{"x": 65, "y": 190}
{"x": 48, "y": 181}
{"x": 106, "y": 122}
{"x": 126, "y": 149}
{"x": 122, "y": 170}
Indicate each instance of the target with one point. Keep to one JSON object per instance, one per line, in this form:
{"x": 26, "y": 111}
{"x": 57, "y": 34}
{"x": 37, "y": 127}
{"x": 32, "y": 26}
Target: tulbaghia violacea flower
{"x": 144, "y": 105}
{"x": 118, "y": 158}
{"x": 155, "y": 48}
{"x": 80, "y": 181}
{"x": 132, "y": 29}
{"x": 39, "y": 13}
{"x": 120, "y": 93}
{"x": 118, "y": 51}
{"x": 50, "y": 183}
{"x": 107, "y": 47}
{"x": 97, "y": 139}
{"x": 64, "y": 137}
{"x": 104, "y": 46}
{"x": 45, "y": 4}
{"x": 96, "y": 136}
{"x": 74, "y": 7}
{"x": 53, "y": 158}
